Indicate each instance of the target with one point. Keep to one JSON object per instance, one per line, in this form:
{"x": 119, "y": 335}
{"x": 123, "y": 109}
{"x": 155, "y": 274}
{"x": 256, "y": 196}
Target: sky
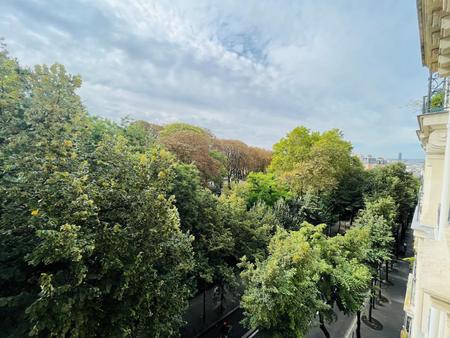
{"x": 249, "y": 70}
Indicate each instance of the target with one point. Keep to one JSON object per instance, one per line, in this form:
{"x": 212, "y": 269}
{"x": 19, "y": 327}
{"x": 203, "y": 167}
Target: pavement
{"x": 198, "y": 321}
{"x": 336, "y": 329}
{"x": 388, "y": 315}
{"x": 237, "y": 329}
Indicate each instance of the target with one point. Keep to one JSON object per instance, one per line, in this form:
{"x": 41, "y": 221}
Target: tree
{"x": 312, "y": 208}
{"x": 348, "y": 196}
{"x": 281, "y": 294}
{"x": 260, "y": 187}
{"x": 311, "y": 161}
{"x": 259, "y": 159}
{"x": 90, "y": 245}
{"x": 251, "y": 228}
{"x": 292, "y": 150}
{"x": 380, "y": 241}
{"x": 393, "y": 180}
{"x": 193, "y": 145}
{"x": 387, "y": 209}
{"x": 346, "y": 280}
{"x": 224, "y": 229}
{"x": 236, "y": 159}
{"x": 12, "y": 85}
{"x": 329, "y": 159}
{"x": 200, "y": 216}
{"x": 383, "y": 206}
{"x": 335, "y": 266}
{"x": 240, "y": 159}
{"x": 289, "y": 212}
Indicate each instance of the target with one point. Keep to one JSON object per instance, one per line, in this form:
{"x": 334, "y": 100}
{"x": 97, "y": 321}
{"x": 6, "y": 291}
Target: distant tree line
{"x": 110, "y": 229}
{"x": 216, "y": 159}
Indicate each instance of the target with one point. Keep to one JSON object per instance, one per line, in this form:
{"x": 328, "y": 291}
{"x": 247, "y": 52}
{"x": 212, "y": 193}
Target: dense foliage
{"x": 90, "y": 243}
{"x": 305, "y": 273}
{"x": 109, "y": 229}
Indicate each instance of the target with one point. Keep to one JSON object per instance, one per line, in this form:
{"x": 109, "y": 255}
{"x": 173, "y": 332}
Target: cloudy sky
{"x": 249, "y": 70}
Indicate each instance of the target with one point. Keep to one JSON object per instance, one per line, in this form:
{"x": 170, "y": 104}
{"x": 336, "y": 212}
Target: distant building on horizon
{"x": 370, "y": 162}
{"x": 400, "y": 156}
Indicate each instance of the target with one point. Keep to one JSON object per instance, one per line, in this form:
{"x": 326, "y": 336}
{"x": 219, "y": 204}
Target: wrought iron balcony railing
{"x": 429, "y": 108}
{"x": 437, "y": 99}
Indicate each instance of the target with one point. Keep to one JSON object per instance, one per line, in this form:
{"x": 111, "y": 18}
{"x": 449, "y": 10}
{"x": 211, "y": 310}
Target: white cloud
{"x": 244, "y": 69}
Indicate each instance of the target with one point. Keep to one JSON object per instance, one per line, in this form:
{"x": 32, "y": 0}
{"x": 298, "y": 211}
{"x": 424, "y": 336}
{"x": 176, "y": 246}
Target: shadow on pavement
{"x": 374, "y": 324}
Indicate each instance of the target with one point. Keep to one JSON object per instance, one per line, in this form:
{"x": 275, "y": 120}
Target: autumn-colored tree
{"x": 193, "y": 145}
{"x": 237, "y": 158}
{"x": 241, "y": 159}
{"x": 259, "y": 159}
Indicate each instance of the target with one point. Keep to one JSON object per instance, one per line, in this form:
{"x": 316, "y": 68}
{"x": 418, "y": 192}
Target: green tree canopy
{"x": 90, "y": 245}
{"x": 281, "y": 294}
{"x": 262, "y": 187}
{"x": 306, "y": 273}
{"x": 199, "y": 214}
{"x": 311, "y": 161}
{"x": 380, "y": 235}
{"x": 393, "y": 180}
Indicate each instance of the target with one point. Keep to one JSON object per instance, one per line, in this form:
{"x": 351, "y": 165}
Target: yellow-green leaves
{"x": 90, "y": 239}
{"x": 310, "y": 160}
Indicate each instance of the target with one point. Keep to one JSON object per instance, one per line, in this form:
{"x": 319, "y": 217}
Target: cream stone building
{"x": 427, "y": 302}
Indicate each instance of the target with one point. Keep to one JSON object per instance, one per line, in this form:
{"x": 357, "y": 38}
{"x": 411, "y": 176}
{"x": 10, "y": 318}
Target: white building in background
{"x": 370, "y": 162}
{"x": 427, "y": 302}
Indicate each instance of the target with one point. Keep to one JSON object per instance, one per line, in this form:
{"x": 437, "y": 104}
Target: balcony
{"x": 435, "y": 105}
{"x": 436, "y": 99}
{"x": 421, "y": 230}
{"x": 408, "y": 305}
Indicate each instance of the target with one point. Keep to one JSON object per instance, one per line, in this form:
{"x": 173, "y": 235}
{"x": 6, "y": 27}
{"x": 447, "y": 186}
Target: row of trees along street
{"x": 110, "y": 229}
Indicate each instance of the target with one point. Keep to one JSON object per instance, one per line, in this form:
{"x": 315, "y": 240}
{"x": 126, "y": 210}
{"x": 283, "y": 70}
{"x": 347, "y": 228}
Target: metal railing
{"x": 429, "y": 108}
{"x": 437, "y": 98}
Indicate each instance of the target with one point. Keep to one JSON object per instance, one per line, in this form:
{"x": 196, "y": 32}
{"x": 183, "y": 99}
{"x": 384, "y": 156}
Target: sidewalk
{"x": 336, "y": 329}
{"x": 388, "y": 315}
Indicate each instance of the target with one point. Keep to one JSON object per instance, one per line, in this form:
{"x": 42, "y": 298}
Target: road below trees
{"x": 388, "y": 315}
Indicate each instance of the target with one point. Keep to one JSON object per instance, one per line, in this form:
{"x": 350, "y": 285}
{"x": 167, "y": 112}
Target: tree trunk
{"x": 379, "y": 290}
{"x": 323, "y": 327}
{"x": 372, "y": 291}
{"x": 221, "y": 297}
{"x": 204, "y": 306}
{"x": 358, "y": 324}
{"x": 339, "y": 226}
{"x": 387, "y": 271}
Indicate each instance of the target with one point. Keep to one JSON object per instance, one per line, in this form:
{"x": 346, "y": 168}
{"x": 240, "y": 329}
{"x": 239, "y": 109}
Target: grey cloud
{"x": 250, "y": 70}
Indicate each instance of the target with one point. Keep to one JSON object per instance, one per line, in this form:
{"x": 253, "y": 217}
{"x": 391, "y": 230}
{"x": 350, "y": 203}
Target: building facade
{"x": 427, "y": 302}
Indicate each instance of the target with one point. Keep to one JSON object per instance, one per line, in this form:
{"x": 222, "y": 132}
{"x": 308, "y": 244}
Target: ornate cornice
{"x": 436, "y": 141}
